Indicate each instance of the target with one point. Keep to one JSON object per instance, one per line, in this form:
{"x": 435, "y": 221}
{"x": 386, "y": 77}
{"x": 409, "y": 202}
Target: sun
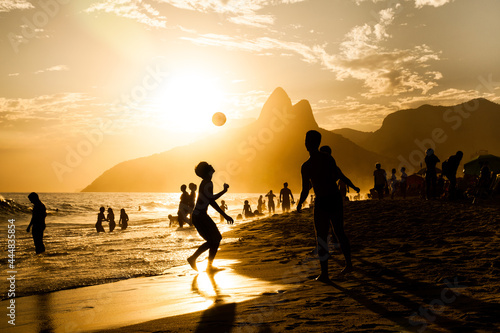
{"x": 187, "y": 102}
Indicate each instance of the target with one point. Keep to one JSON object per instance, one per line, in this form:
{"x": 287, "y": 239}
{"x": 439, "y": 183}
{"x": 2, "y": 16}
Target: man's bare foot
{"x": 347, "y": 269}
{"x": 323, "y": 278}
{"x": 192, "y": 263}
{"x": 213, "y": 269}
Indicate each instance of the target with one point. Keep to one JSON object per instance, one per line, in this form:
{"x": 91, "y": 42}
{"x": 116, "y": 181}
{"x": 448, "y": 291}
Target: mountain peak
{"x": 278, "y": 100}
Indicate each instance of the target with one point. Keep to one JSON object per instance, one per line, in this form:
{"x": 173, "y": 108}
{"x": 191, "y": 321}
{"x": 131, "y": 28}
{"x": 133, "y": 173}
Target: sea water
{"x": 76, "y": 255}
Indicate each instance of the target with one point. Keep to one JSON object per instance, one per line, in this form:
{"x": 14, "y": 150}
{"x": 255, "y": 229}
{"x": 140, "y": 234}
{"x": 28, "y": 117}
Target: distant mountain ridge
{"x": 254, "y": 158}
{"x": 471, "y": 127}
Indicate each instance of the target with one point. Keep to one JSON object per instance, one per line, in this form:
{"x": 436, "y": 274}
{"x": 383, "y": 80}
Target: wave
{"x": 10, "y": 206}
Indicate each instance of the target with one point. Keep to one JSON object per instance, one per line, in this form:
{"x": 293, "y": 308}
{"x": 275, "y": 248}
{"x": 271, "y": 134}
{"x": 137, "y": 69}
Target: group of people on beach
{"x": 123, "y": 222}
{"x": 285, "y": 200}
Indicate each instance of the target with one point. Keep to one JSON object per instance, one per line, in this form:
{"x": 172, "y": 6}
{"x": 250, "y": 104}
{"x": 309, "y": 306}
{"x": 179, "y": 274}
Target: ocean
{"x": 76, "y": 255}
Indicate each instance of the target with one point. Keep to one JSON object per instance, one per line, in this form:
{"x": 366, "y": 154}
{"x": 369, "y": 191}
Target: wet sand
{"x": 419, "y": 266}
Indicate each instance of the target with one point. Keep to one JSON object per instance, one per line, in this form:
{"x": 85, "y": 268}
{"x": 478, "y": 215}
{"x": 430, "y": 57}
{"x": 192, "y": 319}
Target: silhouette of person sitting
{"x": 202, "y": 221}
{"x": 430, "y": 173}
{"x": 321, "y": 172}
{"x": 450, "y": 168}
{"x": 380, "y": 180}
{"x": 37, "y": 223}
{"x": 100, "y": 218}
{"x": 183, "y": 211}
{"x": 111, "y": 219}
{"x": 123, "y": 222}
{"x": 247, "y": 210}
{"x": 270, "y": 201}
{"x": 285, "y": 195}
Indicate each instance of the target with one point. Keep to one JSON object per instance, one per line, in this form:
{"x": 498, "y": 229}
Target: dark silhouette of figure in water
{"x": 260, "y": 205}
{"x": 100, "y": 218}
{"x": 450, "y": 168}
{"x": 223, "y": 206}
{"x": 192, "y": 201}
{"x": 123, "y": 222}
{"x": 37, "y": 223}
{"x": 270, "y": 201}
{"x": 247, "y": 210}
{"x": 430, "y": 173}
{"x": 202, "y": 221}
{"x": 380, "y": 180}
{"x": 111, "y": 219}
{"x": 322, "y": 172}
{"x": 183, "y": 211}
{"x": 285, "y": 195}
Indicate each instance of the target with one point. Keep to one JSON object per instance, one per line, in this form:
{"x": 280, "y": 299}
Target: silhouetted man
{"x": 430, "y": 173}
{"x": 451, "y": 172}
{"x": 285, "y": 195}
{"x": 322, "y": 172}
{"x": 380, "y": 180}
{"x": 37, "y": 223}
{"x": 184, "y": 209}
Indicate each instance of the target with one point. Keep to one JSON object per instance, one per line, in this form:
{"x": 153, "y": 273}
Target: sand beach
{"x": 420, "y": 266}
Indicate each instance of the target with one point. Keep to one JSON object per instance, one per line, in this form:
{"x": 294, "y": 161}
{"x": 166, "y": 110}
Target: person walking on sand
{"x": 270, "y": 201}
{"x": 37, "y": 223}
{"x": 202, "y": 221}
{"x": 380, "y": 180}
{"x": 183, "y": 210}
{"x": 393, "y": 182}
{"x": 100, "y": 218}
{"x": 321, "y": 172}
{"x": 111, "y": 219}
{"x": 285, "y": 195}
{"x": 430, "y": 173}
{"x": 123, "y": 222}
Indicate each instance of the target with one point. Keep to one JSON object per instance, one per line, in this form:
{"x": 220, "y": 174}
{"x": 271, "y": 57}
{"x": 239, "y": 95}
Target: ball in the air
{"x": 219, "y": 119}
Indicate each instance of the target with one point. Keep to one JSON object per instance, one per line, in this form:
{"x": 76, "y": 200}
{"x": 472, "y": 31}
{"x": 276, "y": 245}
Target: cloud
{"x": 433, "y": 3}
{"x": 57, "y": 68}
{"x": 10, "y": 5}
{"x": 136, "y": 10}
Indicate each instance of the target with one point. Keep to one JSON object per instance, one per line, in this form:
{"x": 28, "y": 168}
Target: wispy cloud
{"x": 132, "y": 9}
{"x": 433, "y": 3}
{"x": 10, "y": 5}
{"x": 58, "y": 68}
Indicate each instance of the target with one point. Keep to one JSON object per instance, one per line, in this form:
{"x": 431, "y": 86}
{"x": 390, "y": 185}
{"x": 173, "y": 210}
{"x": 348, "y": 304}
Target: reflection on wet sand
{"x": 138, "y": 300}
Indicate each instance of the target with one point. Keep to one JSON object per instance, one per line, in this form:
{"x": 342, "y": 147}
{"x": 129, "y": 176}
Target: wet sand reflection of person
{"x": 321, "y": 172}
{"x": 37, "y": 223}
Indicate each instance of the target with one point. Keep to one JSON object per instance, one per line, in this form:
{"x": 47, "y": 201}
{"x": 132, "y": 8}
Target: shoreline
{"x": 407, "y": 254}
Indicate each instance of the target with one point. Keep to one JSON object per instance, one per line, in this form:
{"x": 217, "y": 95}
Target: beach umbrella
{"x": 474, "y": 166}
{"x": 423, "y": 170}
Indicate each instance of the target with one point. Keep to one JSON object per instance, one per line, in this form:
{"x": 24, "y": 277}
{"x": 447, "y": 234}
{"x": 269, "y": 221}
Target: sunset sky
{"x": 88, "y": 84}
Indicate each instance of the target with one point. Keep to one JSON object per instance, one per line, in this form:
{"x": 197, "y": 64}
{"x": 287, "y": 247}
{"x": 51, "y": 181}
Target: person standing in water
{"x": 100, "y": 218}
{"x": 223, "y": 206}
{"x": 203, "y": 223}
{"x": 270, "y": 201}
{"x": 183, "y": 211}
{"x": 111, "y": 219}
{"x": 285, "y": 195}
{"x": 192, "y": 201}
{"x": 37, "y": 223}
{"x": 321, "y": 172}
{"x": 123, "y": 222}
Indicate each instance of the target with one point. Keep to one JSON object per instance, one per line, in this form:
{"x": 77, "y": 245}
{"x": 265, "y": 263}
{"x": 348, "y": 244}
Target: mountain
{"x": 406, "y": 134}
{"x": 254, "y": 158}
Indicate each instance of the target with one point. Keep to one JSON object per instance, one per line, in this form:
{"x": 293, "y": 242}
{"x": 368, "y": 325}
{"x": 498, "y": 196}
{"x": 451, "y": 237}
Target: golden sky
{"x": 88, "y": 84}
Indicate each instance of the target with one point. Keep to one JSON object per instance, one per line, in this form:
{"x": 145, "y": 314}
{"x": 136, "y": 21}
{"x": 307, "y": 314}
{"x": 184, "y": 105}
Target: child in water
{"x": 223, "y": 206}
{"x": 100, "y": 218}
{"x": 202, "y": 221}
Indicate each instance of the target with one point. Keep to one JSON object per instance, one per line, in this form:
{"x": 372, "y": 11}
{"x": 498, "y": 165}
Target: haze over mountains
{"x": 254, "y": 158}
{"x": 268, "y": 152}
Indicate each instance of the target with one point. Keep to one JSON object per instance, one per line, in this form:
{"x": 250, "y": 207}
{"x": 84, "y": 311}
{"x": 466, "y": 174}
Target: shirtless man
{"x": 322, "y": 172}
